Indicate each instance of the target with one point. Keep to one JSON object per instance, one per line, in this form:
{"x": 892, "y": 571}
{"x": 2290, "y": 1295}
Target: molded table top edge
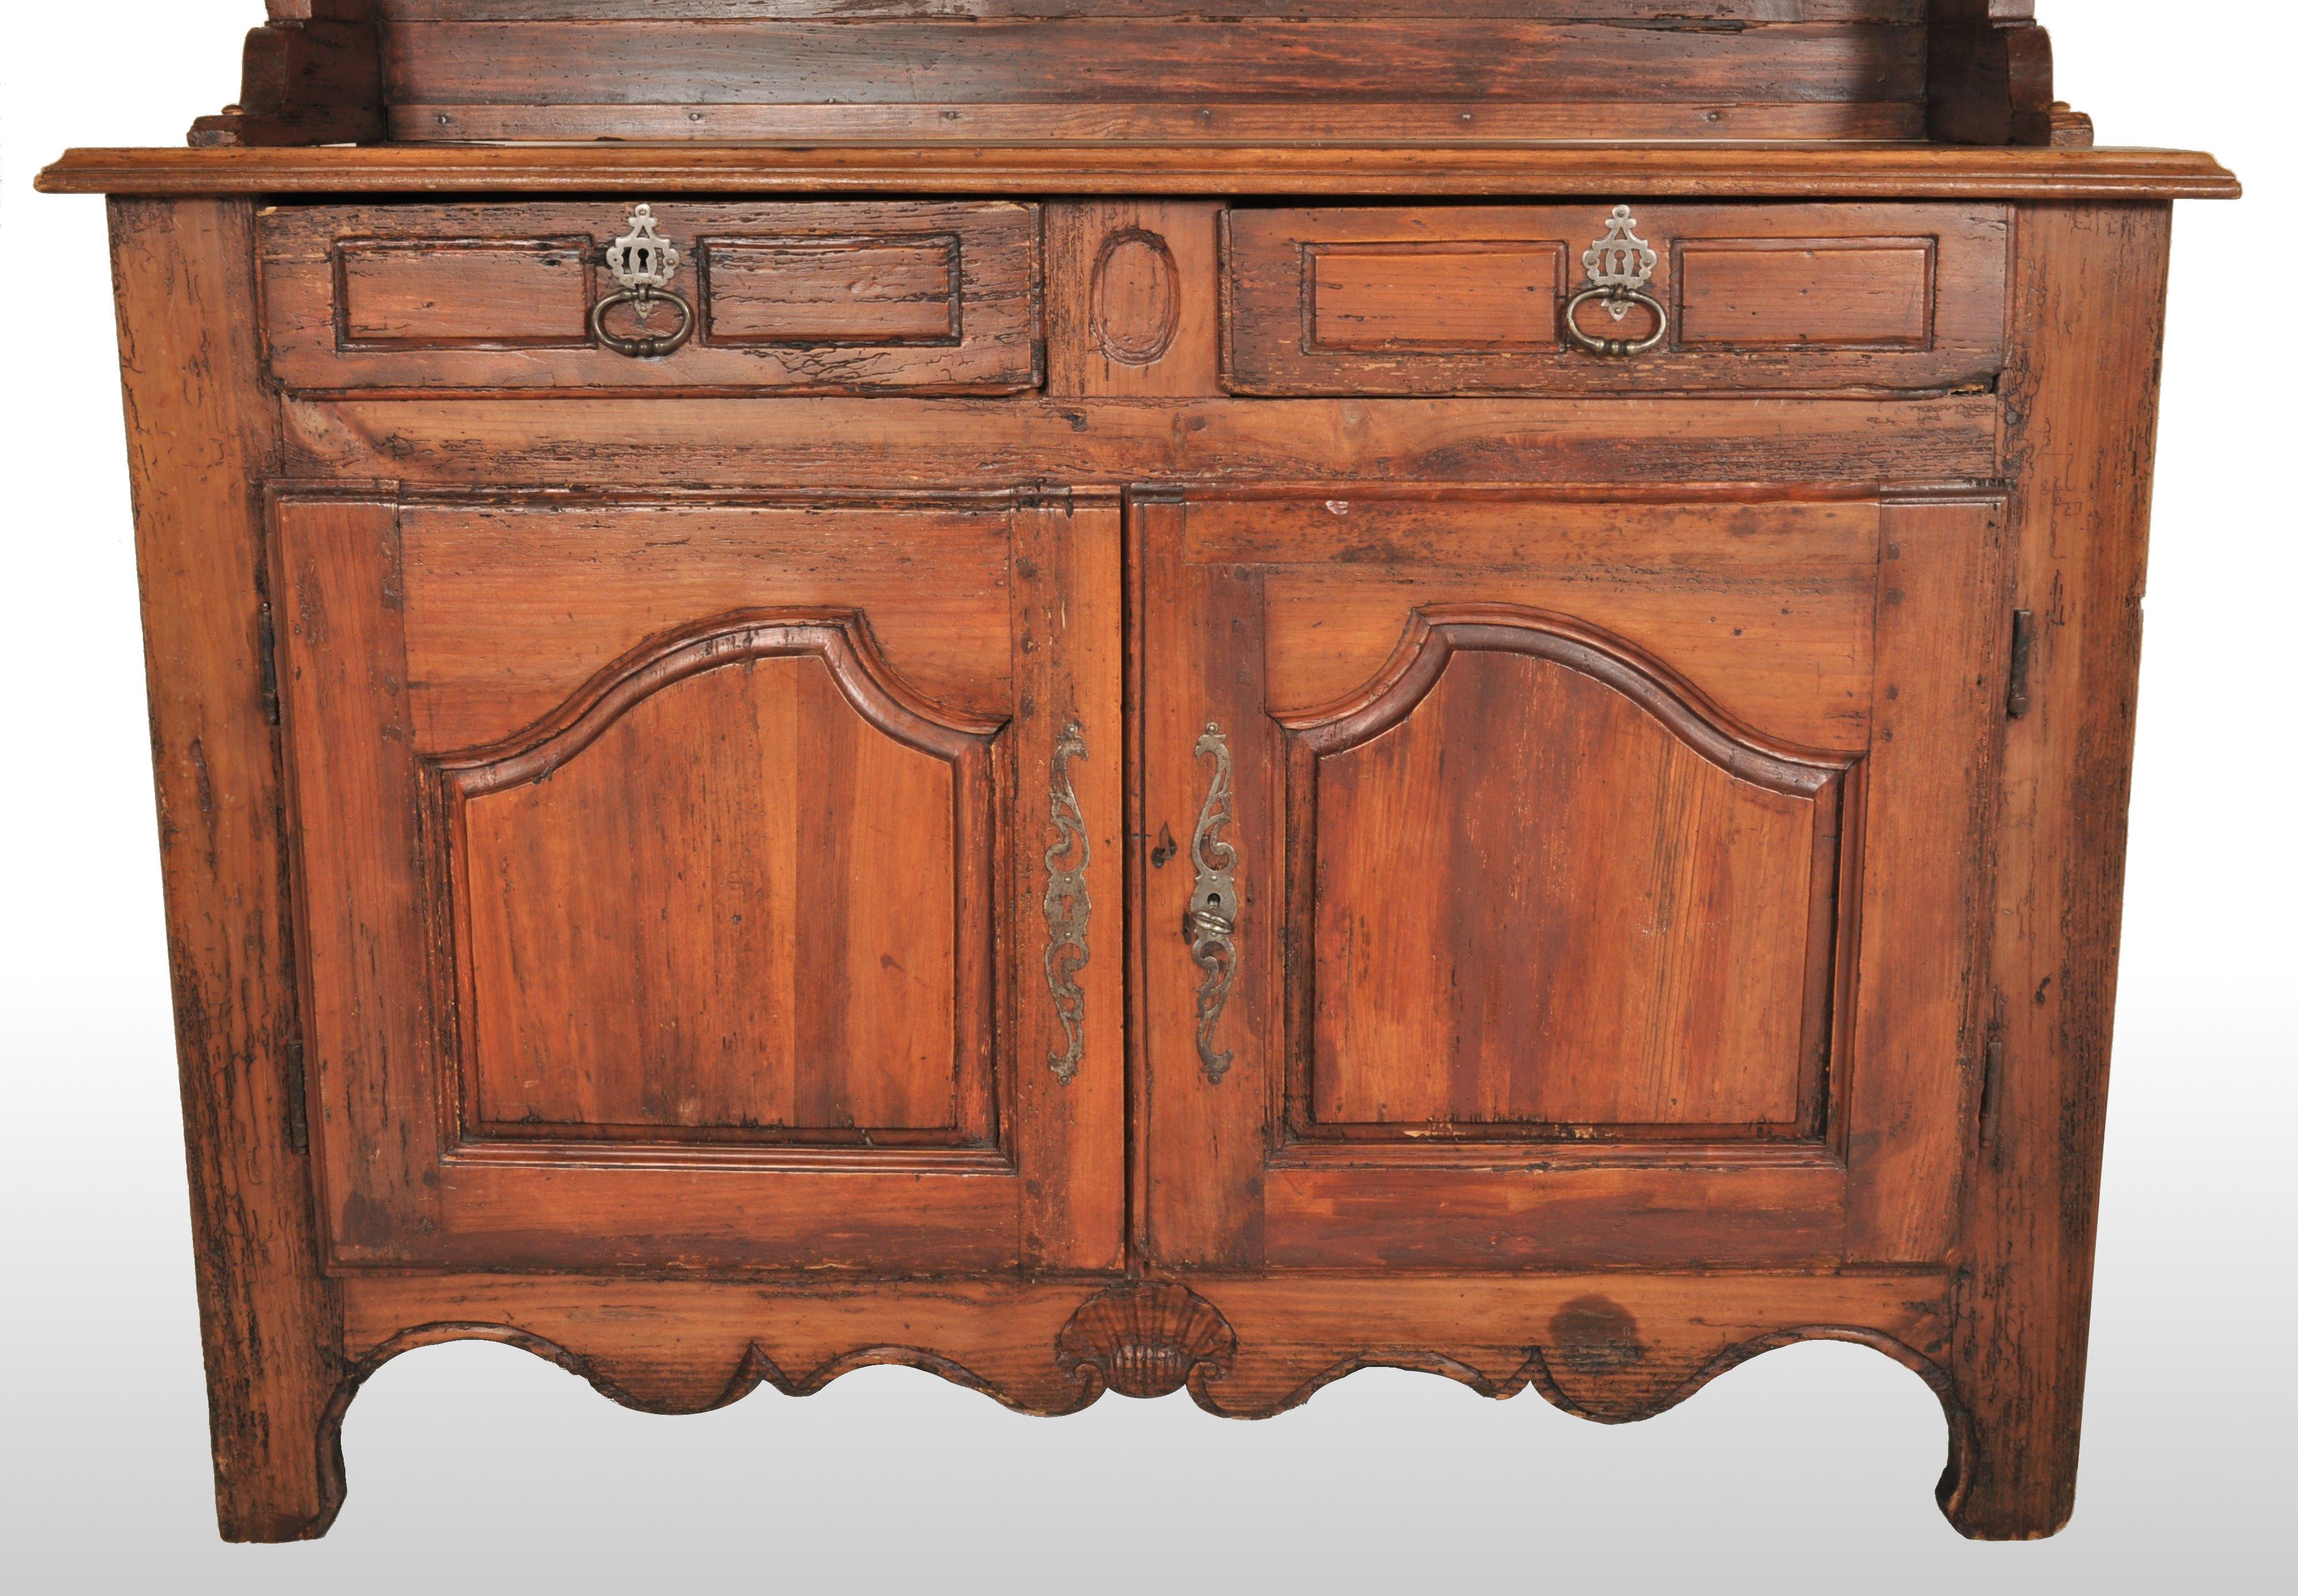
{"x": 1429, "y": 171}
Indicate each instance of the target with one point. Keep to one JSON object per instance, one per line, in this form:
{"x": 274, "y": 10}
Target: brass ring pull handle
{"x": 642, "y": 261}
{"x": 1616, "y": 349}
{"x": 648, "y": 348}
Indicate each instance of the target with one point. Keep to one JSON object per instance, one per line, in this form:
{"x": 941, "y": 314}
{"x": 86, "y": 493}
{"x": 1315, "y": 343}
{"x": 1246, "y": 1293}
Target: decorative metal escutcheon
{"x": 1619, "y": 267}
{"x": 1209, "y": 924}
{"x": 643, "y": 261}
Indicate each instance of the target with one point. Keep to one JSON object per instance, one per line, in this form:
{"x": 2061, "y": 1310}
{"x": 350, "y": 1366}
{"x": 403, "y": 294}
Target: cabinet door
{"x": 1561, "y": 882}
{"x": 719, "y": 883}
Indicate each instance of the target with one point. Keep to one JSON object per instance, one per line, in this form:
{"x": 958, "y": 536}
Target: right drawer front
{"x": 1472, "y": 299}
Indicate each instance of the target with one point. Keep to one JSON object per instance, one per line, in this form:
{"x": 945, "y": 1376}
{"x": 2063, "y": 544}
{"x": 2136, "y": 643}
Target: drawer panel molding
{"x": 1459, "y": 300}
{"x": 927, "y": 298}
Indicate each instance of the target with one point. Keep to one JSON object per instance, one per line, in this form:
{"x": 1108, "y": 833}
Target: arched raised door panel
{"x": 1551, "y": 893}
{"x": 735, "y": 890}
{"x": 1562, "y": 879}
{"x": 680, "y": 896}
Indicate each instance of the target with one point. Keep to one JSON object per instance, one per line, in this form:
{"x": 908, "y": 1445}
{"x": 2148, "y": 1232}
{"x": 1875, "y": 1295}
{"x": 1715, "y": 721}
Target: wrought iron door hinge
{"x": 298, "y": 1123}
{"x": 266, "y": 654}
{"x": 2023, "y": 657}
{"x": 1990, "y": 1094}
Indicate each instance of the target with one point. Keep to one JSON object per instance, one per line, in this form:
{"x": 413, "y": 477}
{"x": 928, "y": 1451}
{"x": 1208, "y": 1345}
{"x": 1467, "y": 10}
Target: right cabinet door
{"x": 1561, "y": 881}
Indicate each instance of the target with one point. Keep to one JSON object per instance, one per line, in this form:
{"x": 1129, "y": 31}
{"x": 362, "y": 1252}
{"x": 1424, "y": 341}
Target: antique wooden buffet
{"x": 1137, "y": 694}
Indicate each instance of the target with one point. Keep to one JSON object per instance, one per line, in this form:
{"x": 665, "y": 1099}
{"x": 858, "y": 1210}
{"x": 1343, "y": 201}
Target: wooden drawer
{"x": 1471, "y": 299}
{"x": 935, "y": 298}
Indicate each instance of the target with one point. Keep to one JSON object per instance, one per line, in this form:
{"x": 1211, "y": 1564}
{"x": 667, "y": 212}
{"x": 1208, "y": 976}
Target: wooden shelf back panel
{"x": 1015, "y": 69}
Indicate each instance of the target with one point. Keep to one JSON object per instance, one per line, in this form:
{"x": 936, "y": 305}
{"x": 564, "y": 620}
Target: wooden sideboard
{"x": 1105, "y": 695}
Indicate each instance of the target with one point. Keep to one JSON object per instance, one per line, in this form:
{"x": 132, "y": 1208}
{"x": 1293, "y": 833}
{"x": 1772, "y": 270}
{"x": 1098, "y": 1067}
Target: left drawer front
{"x": 805, "y": 298}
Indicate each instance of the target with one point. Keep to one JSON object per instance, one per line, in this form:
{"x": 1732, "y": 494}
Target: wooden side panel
{"x": 735, "y": 910}
{"x": 1133, "y": 299}
{"x": 201, "y": 436}
{"x": 1760, "y": 298}
{"x": 2090, "y": 289}
{"x": 932, "y": 297}
{"x": 1539, "y": 907}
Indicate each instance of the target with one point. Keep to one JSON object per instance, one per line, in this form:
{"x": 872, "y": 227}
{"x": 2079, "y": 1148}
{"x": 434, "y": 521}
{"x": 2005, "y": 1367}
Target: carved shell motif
{"x": 1144, "y": 1340}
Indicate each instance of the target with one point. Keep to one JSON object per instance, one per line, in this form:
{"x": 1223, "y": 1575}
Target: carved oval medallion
{"x": 1136, "y": 297}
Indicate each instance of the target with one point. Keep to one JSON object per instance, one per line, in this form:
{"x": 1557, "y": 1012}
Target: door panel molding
{"x": 557, "y": 1032}
{"x": 1390, "y": 938}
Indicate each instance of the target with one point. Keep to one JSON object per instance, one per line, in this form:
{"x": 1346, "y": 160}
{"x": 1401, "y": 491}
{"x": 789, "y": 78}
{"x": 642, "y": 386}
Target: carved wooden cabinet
{"x": 1106, "y": 700}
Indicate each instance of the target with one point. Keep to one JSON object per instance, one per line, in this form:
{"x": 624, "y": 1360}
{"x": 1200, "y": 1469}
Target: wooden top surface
{"x": 1831, "y": 170}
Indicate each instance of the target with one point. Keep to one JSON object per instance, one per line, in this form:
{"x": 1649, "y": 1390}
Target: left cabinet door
{"x": 706, "y": 882}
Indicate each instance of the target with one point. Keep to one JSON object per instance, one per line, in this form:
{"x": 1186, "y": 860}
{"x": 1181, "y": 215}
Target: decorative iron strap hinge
{"x": 2023, "y": 657}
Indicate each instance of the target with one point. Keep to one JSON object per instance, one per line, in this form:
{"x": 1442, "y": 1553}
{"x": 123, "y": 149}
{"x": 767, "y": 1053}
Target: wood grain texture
{"x": 720, "y": 893}
{"x": 1243, "y": 162}
{"x": 1549, "y": 903}
{"x": 313, "y": 74}
{"x": 1614, "y": 1350}
{"x": 669, "y": 60}
{"x": 2090, "y": 291}
{"x": 927, "y": 298}
{"x": 1070, "y": 1135}
{"x": 1990, "y": 77}
{"x": 728, "y": 907}
{"x": 902, "y": 445}
{"x": 685, "y": 902}
{"x": 1394, "y": 915}
{"x": 201, "y": 433}
{"x": 484, "y": 660}
{"x": 1133, "y": 300}
{"x": 1845, "y": 297}
{"x": 1942, "y": 626}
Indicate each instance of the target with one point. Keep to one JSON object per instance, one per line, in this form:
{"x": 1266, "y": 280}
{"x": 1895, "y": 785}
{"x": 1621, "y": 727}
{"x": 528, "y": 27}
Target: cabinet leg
{"x": 2080, "y": 389}
{"x": 278, "y": 1456}
{"x": 2011, "y": 1464}
{"x": 202, "y": 442}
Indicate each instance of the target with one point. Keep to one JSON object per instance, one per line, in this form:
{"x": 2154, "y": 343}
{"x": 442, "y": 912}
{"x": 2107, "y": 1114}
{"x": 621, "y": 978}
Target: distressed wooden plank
{"x": 895, "y": 442}
{"x": 1353, "y": 164}
{"x": 201, "y": 436}
{"x": 1138, "y": 59}
{"x": 2084, "y": 382}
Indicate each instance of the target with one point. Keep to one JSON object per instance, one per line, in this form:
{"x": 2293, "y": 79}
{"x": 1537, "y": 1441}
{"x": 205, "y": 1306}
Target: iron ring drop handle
{"x": 652, "y": 347}
{"x": 1616, "y": 349}
{"x": 642, "y": 262}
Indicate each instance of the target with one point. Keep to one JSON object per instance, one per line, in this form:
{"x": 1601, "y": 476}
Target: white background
{"x": 477, "y": 1467}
